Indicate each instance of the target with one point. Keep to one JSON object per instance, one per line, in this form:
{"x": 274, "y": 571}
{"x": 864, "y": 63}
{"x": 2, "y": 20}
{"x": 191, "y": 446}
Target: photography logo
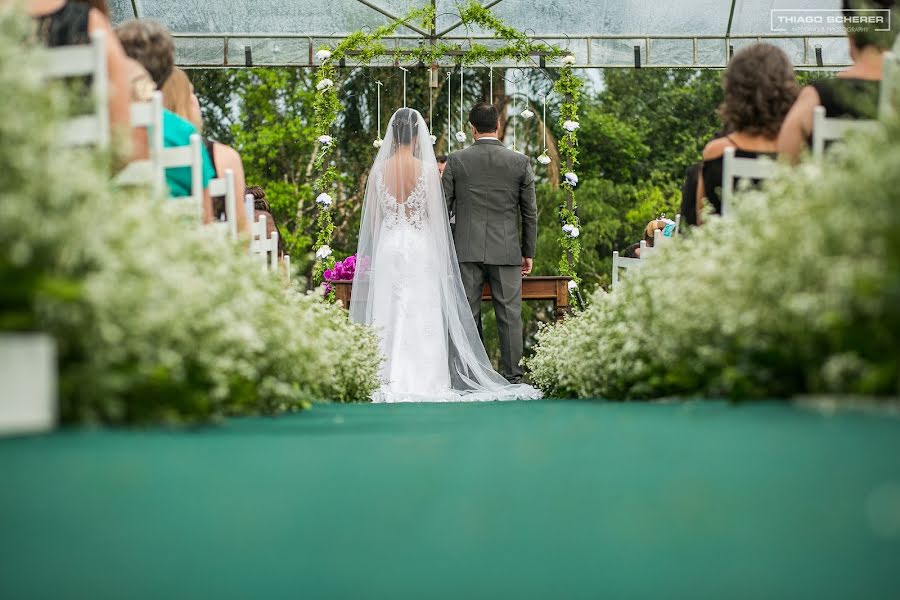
{"x": 823, "y": 21}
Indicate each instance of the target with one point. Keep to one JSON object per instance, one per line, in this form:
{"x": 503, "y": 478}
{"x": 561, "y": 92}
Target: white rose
{"x": 325, "y": 140}
{"x": 433, "y": 140}
{"x": 568, "y": 59}
{"x": 544, "y": 159}
{"x": 323, "y": 55}
{"x": 571, "y": 126}
{"x": 571, "y": 178}
{"x": 323, "y": 252}
{"x": 526, "y": 114}
{"x": 324, "y": 84}
{"x": 460, "y": 137}
{"x": 324, "y": 200}
{"x": 572, "y": 285}
{"x": 377, "y": 143}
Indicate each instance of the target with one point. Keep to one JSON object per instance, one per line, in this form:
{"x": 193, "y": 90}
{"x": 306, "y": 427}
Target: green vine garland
{"x": 368, "y": 46}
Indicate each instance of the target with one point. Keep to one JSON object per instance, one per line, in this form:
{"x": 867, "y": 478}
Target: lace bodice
{"x": 410, "y": 213}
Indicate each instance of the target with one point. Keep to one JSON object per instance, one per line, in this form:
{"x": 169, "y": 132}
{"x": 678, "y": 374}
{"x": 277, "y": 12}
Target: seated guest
{"x": 179, "y": 97}
{"x": 660, "y": 224}
{"x": 689, "y": 194}
{"x": 261, "y": 208}
{"x": 759, "y": 90}
{"x": 852, "y": 94}
{"x": 71, "y": 23}
{"x": 151, "y": 44}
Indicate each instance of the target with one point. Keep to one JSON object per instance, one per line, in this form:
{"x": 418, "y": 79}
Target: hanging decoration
{"x": 449, "y": 109}
{"x": 367, "y": 46}
{"x": 377, "y": 143}
{"x": 544, "y": 158}
{"x": 460, "y": 133}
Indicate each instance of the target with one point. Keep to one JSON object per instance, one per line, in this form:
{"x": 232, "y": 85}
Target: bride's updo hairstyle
{"x": 406, "y": 126}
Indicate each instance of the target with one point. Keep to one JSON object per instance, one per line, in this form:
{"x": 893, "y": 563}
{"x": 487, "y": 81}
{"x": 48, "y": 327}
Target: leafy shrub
{"x": 799, "y": 292}
{"x": 156, "y": 319}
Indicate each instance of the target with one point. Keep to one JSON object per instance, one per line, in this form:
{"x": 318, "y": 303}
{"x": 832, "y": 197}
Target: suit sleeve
{"x": 528, "y": 210}
{"x": 449, "y": 187}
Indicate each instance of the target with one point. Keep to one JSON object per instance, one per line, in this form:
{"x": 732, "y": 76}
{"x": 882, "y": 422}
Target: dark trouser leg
{"x": 506, "y": 290}
{"x": 473, "y": 278}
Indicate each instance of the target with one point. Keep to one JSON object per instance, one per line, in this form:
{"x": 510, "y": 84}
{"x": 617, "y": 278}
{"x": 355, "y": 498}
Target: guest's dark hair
{"x": 151, "y": 44}
{"x": 259, "y": 198}
{"x": 99, "y": 5}
{"x": 406, "y": 126}
{"x": 760, "y": 89}
{"x": 484, "y": 118}
{"x": 865, "y": 34}
{"x": 442, "y": 158}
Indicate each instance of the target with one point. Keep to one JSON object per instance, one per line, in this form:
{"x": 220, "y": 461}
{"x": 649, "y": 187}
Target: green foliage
{"x": 797, "y": 292}
{"x": 156, "y": 318}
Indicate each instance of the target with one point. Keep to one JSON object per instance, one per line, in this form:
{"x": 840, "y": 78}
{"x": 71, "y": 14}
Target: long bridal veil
{"x": 406, "y": 264}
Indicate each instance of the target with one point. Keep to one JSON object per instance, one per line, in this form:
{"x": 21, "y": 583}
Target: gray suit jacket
{"x": 490, "y": 189}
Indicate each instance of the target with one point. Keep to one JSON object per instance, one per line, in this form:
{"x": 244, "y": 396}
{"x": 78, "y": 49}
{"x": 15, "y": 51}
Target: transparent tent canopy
{"x": 600, "y": 33}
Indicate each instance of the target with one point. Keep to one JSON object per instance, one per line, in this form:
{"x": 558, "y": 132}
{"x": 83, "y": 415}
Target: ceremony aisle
{"x": 509, "y": 500}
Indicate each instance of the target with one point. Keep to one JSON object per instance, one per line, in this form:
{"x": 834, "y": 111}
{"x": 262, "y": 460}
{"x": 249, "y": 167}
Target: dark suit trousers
{"x": 506, "y": 291}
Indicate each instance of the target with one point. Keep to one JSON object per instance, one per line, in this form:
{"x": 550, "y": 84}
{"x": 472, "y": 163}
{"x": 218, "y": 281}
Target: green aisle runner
{"x": 546, "y": 500}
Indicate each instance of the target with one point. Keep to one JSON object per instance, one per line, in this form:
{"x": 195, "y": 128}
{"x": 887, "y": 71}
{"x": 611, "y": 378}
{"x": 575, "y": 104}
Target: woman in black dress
{"x": 853, "y": 94}
{"x": 71, "y": 23}
{"x": 759, "y": 90}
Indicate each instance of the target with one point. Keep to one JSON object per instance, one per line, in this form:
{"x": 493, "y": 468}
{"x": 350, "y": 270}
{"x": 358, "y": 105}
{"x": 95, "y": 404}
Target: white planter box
{"x": 28, "y": 401}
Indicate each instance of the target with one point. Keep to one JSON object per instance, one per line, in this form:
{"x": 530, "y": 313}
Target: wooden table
{"x": 533, "y": 288}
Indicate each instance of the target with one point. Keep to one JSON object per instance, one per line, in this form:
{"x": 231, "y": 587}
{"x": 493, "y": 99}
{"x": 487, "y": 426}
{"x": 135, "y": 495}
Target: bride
{"x": 407, "y": 283}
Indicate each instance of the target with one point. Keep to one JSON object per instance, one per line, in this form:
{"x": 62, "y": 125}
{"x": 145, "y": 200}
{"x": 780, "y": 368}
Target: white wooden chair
{"x": 735, "y": 169}
{"x": 224, "y": 186}
{"x": 187, "y": 156}
{"x": 264, "y": 246}
{"x": 79, "y": 61}
{"x": 147, "y": 115}
{"x": 828, "y": 130}
{"x": 620, "y": 262}
{"x": 286, "y": 261}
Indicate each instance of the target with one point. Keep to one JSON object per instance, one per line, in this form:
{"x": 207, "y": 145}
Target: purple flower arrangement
{"x": 343, "y": 271}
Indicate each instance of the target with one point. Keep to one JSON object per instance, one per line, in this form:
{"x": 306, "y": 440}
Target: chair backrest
{"x": 150, "y": 172}
{"x": 828, "y": 130}
{"x": 188, "y": 156}
{"x": 735, "y": 169}
{"x": 80, "y": 61}
{"x": 620, "y": 262}
{"x": 262, "y": 245}
{"x": 224, "y": 186}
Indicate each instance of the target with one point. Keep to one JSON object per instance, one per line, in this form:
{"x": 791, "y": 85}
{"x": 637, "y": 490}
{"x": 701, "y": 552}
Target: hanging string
{"x": 405, "y": 71}
{"x": 544, "y": 121}
{"x": 430, "y": 105}
{"x": 379, "y": 84}
{"x": 461, "y": 98}
{"x": 491, "y": 98}
{"x": 449, "y": 113}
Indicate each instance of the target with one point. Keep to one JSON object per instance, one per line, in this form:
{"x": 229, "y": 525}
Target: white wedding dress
{"x": 407, "y": 283}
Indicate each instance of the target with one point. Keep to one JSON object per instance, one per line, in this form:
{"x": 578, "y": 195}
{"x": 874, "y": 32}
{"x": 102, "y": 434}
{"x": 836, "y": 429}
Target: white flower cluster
{"x": 790, "y": 294}
{"x": 571, "y": 230}
{"x": 377, "y": 143}
{"x": 325, "y": 84}
{"x": 323, "y": 252}
{"x": 571, "y": 178}
{"x": 568, "y": 59}
{"x": 544, "y": 158}
{"x": 324, "y": 200}
{"x": 526, "y": 114}
{"x": 571, "y": 126}
{"x": 323, "y": 55}
{"x": 325, "y": 140}
{"x": 460, "y": 137}
{"x": 165, "y": 311}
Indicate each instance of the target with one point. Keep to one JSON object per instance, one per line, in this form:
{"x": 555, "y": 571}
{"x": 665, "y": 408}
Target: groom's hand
{"x": 527, "y": 265}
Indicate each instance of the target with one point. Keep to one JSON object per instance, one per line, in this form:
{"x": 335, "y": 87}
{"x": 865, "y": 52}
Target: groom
{"x": 490, "y": 189}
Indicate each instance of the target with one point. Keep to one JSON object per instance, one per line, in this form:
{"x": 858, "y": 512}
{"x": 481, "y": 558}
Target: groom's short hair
{"x": 484, "y": 118}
